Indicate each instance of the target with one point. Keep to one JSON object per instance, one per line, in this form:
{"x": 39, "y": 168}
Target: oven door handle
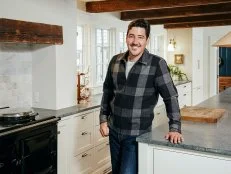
{"x": 47, "y": 170}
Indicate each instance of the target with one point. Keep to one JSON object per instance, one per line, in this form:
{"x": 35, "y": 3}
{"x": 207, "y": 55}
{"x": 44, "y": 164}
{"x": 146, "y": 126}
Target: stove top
{"x": 37, "y": 119}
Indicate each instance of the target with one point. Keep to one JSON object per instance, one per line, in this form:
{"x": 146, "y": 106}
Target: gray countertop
{"x": 93, "y": 103}
{"x": 60, "y": 113}
{"x": 204, "y": 137}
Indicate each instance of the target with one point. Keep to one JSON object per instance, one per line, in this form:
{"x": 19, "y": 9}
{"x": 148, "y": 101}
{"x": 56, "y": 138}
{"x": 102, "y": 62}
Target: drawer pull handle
{"x": 83, "y": 117}
{"x": 84, "y": 133}
{"x": 158, "y": 113}
{"x": 184, "y": 94}
{"x": 184, "y": 86}
{"x": 84, "y": 155}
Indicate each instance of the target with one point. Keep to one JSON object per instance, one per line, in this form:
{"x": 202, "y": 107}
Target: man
{"x": 131, "y": 89}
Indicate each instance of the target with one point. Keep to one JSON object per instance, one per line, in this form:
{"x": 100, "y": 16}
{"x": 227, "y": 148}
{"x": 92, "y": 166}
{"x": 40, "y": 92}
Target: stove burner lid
{"x": 17, "y": 112}
{"x": 17, "y": 115}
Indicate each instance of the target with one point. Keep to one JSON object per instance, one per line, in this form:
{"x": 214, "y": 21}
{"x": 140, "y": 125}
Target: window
{"x": 122, "y": 43}
{"x": 102, "y": 54}
{"x": 79, "y": 49}
{"x": 156, "y": 45}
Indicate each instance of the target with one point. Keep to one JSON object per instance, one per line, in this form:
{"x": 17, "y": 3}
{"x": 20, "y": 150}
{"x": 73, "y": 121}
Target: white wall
{"x": 15, "y": 75}
{"x": 57, "y": 88}
{"x": 183, "y": 38}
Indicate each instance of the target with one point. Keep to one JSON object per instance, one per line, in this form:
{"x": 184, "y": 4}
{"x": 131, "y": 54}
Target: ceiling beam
{"x": 178, "y": 12}
{"x": 126, "y": 5}
{"x": 198, "y": 24}
{"x": 190, "y": 19}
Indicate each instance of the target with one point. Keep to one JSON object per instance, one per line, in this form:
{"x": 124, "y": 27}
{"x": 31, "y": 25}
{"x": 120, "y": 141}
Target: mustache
{"x": 134, "y": 45}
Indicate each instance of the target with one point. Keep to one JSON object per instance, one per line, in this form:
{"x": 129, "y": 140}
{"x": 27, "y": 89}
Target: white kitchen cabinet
{"x": 153, "y": 159}
{"x": 83, "y": 163}
{"x": 184, "y": 94}
{"x": 81, "y": 148}
{"x": 184, "y": 99}
{"x": 83, "y": 132}
{"x": 197, "y": 94}
{"x": 64, "y": 143}
{"x": 160, "y": 116}
{"x": 197, "y": 66}
{"x": 102, "y": 154}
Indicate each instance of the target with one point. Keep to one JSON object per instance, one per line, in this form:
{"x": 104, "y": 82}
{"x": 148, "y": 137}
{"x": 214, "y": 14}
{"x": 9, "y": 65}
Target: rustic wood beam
{"x": 29, "y": 32}
{"x": 198, "y": 24}
{"x": 178, "y": 12}
{"x": 126, "y": 5}
{"x": 190, "y": 19}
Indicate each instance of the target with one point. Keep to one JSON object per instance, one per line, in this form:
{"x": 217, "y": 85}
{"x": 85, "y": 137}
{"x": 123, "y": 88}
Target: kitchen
{"x": 47, "y": 73}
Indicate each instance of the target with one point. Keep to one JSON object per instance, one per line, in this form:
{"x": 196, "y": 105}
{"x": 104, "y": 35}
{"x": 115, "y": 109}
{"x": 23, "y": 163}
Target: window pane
{"x": 99, "y": 55}
{"x": 79, "y": 48}
{"x": 105, "y": 56}
{"x": 105, "y": 38}
{"x": 98, "y": 37}
{"x": 99, "y": 73}
{"x": 122, "y": 42}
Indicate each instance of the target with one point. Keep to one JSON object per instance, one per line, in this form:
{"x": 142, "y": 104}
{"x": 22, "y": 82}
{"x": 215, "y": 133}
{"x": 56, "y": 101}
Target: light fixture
{"x": 172, "y": 45}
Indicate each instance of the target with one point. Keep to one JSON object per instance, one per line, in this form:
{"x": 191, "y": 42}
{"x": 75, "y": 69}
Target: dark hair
{"x": 142, "y": 23}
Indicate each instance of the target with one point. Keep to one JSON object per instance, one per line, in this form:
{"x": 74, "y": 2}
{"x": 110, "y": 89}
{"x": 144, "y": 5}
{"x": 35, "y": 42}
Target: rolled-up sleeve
{"x": 168, "y": 92}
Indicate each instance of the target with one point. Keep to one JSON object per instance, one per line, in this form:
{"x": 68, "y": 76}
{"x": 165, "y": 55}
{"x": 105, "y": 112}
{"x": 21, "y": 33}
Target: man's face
{"x": 136, "y": 41}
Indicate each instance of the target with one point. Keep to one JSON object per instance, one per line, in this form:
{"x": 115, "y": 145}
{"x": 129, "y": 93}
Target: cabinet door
{"x": 83, "y": 163}
{"x": 98, "y": 137}
{"x": 197, "y": 95}
{"x": 102, "y": 154}
{"x": 182, "y": 162}
{"x": 197, "y": 57}
{"x": 105, "y": 169}
{"x": 63, "y": 147}
{"x": 160, "y": 116}
{"x": 96, "y": 115}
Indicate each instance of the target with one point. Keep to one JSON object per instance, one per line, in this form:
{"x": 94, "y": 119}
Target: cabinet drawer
{"x": 97, "y": 117}
{"x": 185, "y": 99}
{"x": 184, "y": 88}
{"x": 83, "y": 140}
{"x": 105, "y": 169}
{"x": 83, "y": 121}
{"x": 102, "y": 154}
{"x": 98, "y": 137}
{"x": 83, "y": 163}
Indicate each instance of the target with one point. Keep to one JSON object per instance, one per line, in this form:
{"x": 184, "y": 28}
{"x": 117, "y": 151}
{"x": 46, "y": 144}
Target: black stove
{"x": 28, "y": 141}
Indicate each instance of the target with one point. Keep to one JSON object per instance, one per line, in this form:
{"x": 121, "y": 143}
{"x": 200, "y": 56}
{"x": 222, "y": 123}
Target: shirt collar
{"x": 143, "y": 59}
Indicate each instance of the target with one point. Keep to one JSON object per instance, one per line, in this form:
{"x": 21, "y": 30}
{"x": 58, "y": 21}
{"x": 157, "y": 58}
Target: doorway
{"x": 224, "y": 68}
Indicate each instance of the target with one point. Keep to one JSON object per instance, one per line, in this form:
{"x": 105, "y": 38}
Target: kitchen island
{"x": 206, "y": 147}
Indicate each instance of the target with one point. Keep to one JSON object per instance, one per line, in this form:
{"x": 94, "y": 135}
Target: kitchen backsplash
{"x": 15, "y": 75}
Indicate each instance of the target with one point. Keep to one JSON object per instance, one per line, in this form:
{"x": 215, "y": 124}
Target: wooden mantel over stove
{"x": 16, "y": 31}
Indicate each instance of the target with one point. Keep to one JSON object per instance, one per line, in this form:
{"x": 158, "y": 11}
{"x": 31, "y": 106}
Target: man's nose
{"x": 135, "y": 40}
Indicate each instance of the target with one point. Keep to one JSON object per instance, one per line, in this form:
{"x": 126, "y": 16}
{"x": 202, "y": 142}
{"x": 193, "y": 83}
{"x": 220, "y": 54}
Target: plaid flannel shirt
{"x": 127, "y": 104}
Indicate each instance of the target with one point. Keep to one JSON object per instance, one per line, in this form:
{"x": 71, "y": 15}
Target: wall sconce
{"x": 172, "y": 45}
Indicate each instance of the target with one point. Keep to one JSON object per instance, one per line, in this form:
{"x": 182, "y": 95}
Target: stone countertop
{"x": 93, "y": 103}
{"x": 60, "y": 113}
{"x": 181, "y": 82}
{"x": 203, "y": 137}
